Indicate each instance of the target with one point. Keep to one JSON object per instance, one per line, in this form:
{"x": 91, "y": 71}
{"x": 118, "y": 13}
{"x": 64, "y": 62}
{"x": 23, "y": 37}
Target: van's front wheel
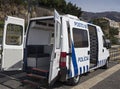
{"x": 74, "y": 81}
{"x": 106, "y": 64}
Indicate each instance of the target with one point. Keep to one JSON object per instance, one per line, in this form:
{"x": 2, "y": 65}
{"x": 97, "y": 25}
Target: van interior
{"x": 40, "y": 40}
{"x": 93, "y": 45}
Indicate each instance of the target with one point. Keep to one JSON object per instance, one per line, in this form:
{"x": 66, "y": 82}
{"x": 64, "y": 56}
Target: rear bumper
{"x": 63, "y": 74}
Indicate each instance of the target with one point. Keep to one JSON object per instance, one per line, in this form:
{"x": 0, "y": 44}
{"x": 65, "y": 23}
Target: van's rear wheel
{"x": 74, "y": 81}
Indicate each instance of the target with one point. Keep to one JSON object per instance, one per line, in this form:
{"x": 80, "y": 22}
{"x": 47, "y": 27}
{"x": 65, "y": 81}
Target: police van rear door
{"x": 13, "y": 40}
{"x": 55, "y": 58}
{"x": 79, "y": 48}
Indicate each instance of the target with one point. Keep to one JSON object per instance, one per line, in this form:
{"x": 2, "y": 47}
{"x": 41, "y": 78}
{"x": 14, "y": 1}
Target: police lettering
{"x": 79, "y": 24}
{"x": 81, "y": 59}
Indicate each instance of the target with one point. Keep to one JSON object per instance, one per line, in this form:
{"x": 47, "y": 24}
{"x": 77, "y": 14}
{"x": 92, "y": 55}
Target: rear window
{"x": 14, "y": 34}
{"x": 80, "y": 38}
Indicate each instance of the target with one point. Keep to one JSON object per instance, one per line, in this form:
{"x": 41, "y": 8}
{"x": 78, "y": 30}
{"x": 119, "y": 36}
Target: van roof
{"x": 51, "y": 17}
{"x": 67, "y": 15}
{"x": 71, "y": 16}
{"x": 44, "y": 17}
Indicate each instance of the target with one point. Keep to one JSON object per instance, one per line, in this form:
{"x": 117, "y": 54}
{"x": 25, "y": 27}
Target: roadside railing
{"x": 115, "y": 52}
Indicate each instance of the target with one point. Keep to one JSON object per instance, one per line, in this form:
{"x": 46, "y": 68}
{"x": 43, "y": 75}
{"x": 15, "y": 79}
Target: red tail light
{"x": 63, "y": 59}
{"x": 63, "y": 54}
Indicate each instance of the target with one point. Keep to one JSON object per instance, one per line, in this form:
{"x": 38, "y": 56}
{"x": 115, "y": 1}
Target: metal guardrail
{"x": 115, "y": 52}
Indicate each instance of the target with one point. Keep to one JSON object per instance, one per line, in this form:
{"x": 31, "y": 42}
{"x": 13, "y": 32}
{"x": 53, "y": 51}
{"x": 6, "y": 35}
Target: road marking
{"x": 93, "y": 81}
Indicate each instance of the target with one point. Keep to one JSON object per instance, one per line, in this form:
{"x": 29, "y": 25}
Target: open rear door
{"x": 54, "y": 63}
{"x": 12, "y": 54}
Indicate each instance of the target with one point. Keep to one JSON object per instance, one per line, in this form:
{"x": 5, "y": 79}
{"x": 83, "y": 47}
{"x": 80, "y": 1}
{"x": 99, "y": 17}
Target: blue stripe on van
{"x": 80, "y": 70}
{"x": 83, "y": 69}
{"x": 87, "y": 68}
{"x": 101, "y": 63}
{"x": 74, "y": 61}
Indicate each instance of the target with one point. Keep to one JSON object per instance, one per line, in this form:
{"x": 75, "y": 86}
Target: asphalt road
{"x": 11, "y": 80}
{"x": 112, "y": 82}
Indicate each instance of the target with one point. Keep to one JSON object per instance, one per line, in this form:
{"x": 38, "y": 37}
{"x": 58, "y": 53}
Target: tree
{"x": 109, "y": 32}
{"x": 113, "y": 31}
{"x": 61, "y": 6}
{"x": 104, "y": 24}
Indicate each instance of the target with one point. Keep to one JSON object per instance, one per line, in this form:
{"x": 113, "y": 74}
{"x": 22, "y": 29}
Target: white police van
{"x": 54, "y": 47}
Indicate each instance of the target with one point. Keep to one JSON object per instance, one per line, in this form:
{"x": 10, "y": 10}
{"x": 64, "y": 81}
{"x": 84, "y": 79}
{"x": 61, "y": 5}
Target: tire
{"x": 106, "y": 65}
{"x": 74, "y": 81}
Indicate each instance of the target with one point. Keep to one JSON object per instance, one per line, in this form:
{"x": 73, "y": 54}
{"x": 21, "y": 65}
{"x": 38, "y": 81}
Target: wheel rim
{"x": 76, "y": 79}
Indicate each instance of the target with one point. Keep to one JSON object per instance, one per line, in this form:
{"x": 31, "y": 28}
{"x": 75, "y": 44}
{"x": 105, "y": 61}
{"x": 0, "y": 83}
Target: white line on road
{"x": 93, "y": 81}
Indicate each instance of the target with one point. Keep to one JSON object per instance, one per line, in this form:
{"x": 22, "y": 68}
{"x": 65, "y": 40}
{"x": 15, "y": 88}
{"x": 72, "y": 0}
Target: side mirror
{"x": 107, "y": 44}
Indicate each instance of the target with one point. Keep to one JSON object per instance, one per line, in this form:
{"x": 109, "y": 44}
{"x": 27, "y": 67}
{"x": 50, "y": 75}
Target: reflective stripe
{"x": 74, "y": 61}
{"x": 101, "y": 62}
{"x": 84, "y": 69}
{"x": 87, "y": 68}
{"x": 80, "y": 70}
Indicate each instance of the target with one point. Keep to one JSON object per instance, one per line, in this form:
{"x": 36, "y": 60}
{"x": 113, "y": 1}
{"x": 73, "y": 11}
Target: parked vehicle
{"x": 54, "y": 47}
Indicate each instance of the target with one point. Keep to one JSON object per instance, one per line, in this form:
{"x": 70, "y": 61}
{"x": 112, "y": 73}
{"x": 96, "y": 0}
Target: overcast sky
{"x": 97, "y": 5}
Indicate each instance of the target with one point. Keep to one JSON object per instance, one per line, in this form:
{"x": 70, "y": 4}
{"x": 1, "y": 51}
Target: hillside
{"x": 37, "y": 8}
{"x": 87, "y": 16}
{"x": 22, "y": 12}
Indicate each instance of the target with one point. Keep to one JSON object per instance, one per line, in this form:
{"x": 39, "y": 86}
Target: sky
{"x": 97, "y": 5}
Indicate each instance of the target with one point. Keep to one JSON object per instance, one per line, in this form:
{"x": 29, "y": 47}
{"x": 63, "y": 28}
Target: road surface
{"x": 98, "y": 79}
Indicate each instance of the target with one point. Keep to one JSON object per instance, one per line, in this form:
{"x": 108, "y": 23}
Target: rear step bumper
{"x": 40, "y": 70}
{"x": 36, "y": 76}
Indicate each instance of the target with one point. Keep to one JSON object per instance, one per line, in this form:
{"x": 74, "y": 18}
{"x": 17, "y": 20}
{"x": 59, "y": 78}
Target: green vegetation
{"x": 1, "y": 31}
{"x": 104, "y": 24}
{"x": 110, "y": 32}
{"x": 60, "y": 5}
{"x": 113, "y": 32}
{"x": 1, "y": 24}
{"x": 18, "y": 2}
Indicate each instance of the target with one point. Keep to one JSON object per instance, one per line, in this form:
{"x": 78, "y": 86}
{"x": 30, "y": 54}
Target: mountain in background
{"x": 87, "y": 16}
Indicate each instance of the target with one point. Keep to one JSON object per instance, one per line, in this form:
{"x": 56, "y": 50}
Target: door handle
{"x": 88, "y": 52}
{"x": 69, "y": 54}
{"x": 54, "y": 55}
{"x": 102, "y": 50}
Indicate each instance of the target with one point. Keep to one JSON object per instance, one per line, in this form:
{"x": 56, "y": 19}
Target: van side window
{"x": 104, "y": 42}
{"x": 69, "y": 38}
{"x": 14, "y": 34}
{"x": 57, "y": 35}
{"x": 80, "y": 38}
